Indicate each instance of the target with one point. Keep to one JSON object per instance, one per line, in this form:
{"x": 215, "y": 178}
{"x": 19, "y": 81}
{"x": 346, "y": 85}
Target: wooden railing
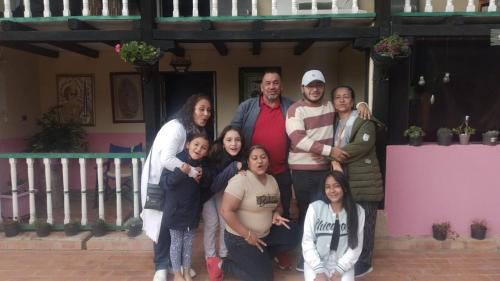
{"x": 63, "y": 158}
{"x": 449, "y": 6}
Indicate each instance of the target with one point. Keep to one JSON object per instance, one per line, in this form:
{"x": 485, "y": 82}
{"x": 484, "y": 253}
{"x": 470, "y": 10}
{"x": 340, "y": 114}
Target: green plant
{"x": 464, "y": 128}
{"x": 134, "y": 51}
{"x": 392, "y": 46}
{"x": 414, "y": 132}
{"x": 72, "y": 228}
{"x": 134, "y": 226}
{"x": 444, "y": 131}
{"x": 445, "y": 228}
{"x": 39, "y": 222}
{"x": 479, "y": 224}
{"x": 57, "y": 136}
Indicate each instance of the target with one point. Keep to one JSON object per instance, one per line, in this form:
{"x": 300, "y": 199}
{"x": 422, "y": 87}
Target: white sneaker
{"x": 191, "y": 272}
{"x": 160, "y": 275}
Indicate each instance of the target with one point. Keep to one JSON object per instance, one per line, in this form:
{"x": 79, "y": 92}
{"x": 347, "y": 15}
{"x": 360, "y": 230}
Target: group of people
{"x": 316, "y": 155}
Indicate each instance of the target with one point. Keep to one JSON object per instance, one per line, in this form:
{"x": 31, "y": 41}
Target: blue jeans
{"x": 162, "y": 248}
{"x": 284, "y": 181}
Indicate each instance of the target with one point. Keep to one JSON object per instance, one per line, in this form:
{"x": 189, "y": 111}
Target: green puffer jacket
{"x": 362, "y": 165}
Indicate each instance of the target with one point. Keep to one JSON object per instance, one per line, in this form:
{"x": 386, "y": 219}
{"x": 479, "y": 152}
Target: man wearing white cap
{"x": 309, "y": 126}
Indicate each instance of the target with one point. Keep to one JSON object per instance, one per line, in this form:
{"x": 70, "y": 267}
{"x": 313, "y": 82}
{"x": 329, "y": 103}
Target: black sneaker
{"x": 300, "y": 264}
{"x": 361, "y": 270}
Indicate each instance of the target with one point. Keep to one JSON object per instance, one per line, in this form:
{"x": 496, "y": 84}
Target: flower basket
{"x": 390, "y": 50}
{"x": 140, "y": 54}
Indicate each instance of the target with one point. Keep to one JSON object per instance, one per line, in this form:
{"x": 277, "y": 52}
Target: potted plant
{"x": 390, "y": 48}
{"x": 444, "y": 136}
{"x": 99, "y": 228}
{"x": 10, "y": 227}
{"x": 490, "y": 137}
{"x": 441, "y": 231}
{"x": 464, "y": 131}
{"x": 142, "y": 55}
{"x": 478, "y": 229}
{"x": 414, "y": 134}
{"x": 72, "y": 228}
{"x": 134, "y": 227}
{"x": 42, "y": 227}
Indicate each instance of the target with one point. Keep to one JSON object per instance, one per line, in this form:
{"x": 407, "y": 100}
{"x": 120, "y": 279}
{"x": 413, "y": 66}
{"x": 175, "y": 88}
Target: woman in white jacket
{"x": 333, "y": 232}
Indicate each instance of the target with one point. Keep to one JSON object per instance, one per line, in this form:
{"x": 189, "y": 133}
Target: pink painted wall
{"x": 431, "y": 183}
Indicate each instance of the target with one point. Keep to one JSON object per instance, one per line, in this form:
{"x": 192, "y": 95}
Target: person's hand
{"x": 294, "y": 209}
{"x": 239, "y": 165}
{"x": 279, "y": 220}
{"x": 185, "y": 168}
{"x": 197, "y": 178}
{"x": 338, "y": 154}
{"x": 336, "y": 276}
{"x": 336, "y": 166}
{"x": 242, "y": 172}
{"x": 321, "y": 277}
{"x": 364, "y": 111}
{"x": 255, "y": 241}
{"x": 318, "y": 158}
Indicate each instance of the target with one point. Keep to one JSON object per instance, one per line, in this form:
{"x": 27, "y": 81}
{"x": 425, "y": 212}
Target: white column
{"x": 355, "y": 7}
{"x": 314, "y": 7}
{"x": 215, "y": 9}
{"x": 125, "y": 7}
{"x": 492, "y": 7}
{"x": 175, "y": 12}
{"x": 27, "y": 8}
{"x": 195, "y": 8}
{"x": 407, "y": 8}
{"x": 471, "y": 7}
{"x": 135, "y": 182}
{"x": 449, "y": 6}
{"x": 428, "y": 6}
{"x": 83, "y": 185}
{"x": 31, "y": 188}
{"x": 100, "y": 187}
{"x": 66, "y": 11}
{"x": 234, "y": 8}
{"x": 7, "y": 11}
{"x": 13, "y": 182}
{"x": 105, "y": 8}
{"x": 274, "y": 7}
{"x": 85, "y": 8}
{"x": 118, "y": 182}
{"x": 64, "y": 162}
{"x": 254, "y": 7}
{"x": 48, "y": 190}
{"x": 335, "y": 7}
{"x": 46, "y": 8}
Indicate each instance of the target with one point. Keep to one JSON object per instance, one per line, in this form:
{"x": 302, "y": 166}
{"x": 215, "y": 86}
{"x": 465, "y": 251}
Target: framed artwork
{"x": 75, "y": 95}
{"x": 250, "y": 78}
{"x": 127, "y": 97}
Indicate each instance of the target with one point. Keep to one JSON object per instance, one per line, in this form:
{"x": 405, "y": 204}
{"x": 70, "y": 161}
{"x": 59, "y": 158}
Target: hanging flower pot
{"x": 390, "y": 50}
{"x": 143, "y": 56}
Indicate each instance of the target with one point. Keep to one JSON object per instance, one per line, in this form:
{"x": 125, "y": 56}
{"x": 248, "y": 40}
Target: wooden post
{"x": 125, "y": 8}
{"x": 13, "y": 186}
{"x": 46, "y": 8}
{"x": 31, "y": 188}
{"x": 428, "y": 6}
{"x": 100, "y": 187}
{"x": 27, "y": 8}
{"x": 135, "y": 180}
{"x": 85, "y": 8}
{"x": 83, "y": 188}
{"x": 335, "y": 7}
{"x": 48, "y": 190}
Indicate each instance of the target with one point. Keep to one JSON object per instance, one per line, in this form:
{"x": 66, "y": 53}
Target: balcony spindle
{"x": 314, "y": 8}
{"x": 254, "y": 7}
{"x": 118, "y": 182}
{"x": 13, "y": 184}
{"x": 27, "y": 8}
{"x": 195, "y": 8}
{"x": 100, "y": 187}
{"x": 85, "y": 8}
{"x": 7, "y": 11}
{"x": 66, "y": 11}
{"x": 48, "y": 190}
{"x": 428, "y": 6}
{"x": 234, "y": 8}
{"x": 105, "y": 8}
{"x": 215, "y": 9}
{"x": 335, "y": 7}
{"x": 471, "y": 7}
{"x": 64, "y": 162}
{"x": 175, "y": 12}
{"x": 83, "y": 184}
{"x": 124, "y": 7}
{"x": 135, "y": 182}
{"x": 355, "y": 7}
{"x": 492, "y": 7}
{"x": 449, "y": 6}
{"x": 31, "y": 188}
{"x": 46, "y": 8}
{"x": 274, "y": 7}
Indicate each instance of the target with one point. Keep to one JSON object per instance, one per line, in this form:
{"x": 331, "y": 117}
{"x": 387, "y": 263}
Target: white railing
{"x": 17, "y": 159}
{"x": 449, "y": 6}
{"x": 8, "y": 8}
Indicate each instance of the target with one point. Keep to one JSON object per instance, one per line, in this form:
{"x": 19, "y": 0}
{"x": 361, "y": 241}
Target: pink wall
{"x": 431, "y": 183}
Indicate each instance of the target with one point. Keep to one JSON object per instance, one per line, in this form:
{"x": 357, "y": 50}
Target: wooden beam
{"x": 364, "y": 43}
{"x": 207, "y": 25}
{"x": 304, "y": 45}
{"x": 70, "y": 36}
{"x": 32, "y": 49}
{"x": 257, "y": 25}
{"x": 15, "y": 26}
{"x": 445, "y": 30}
{"x": 76, "y": 24}
{"x": 77, "y": 48}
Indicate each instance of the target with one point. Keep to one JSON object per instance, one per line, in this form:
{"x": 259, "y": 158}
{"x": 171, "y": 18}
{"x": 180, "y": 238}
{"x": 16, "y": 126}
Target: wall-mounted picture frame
{"x": 75, "y": 96}
{"x": 250, "y": 78}
{"x": 127, "y": 97}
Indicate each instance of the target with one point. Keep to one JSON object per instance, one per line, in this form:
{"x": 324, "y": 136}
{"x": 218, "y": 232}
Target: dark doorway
{"x": 178, "y": 87}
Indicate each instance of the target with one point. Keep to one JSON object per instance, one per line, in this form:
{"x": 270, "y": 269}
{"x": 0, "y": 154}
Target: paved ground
{"x": 110, "y": 265}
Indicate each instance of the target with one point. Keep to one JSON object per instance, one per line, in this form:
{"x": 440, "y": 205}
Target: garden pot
{"x": 99, "y": 230}
{"x": 71, "y": 229}
{"x": 464, "y": 138}
{"x": 415, "y": 141}
{"x": 478, "y": 232}
{"x": 11, "y": 229}
{"x": 445, "y": 139}
{"x": 439, "y": 234}
{"x": 489, "y": 139}
{"x": 43, "y": 231}
{"x": 134, "y": 231}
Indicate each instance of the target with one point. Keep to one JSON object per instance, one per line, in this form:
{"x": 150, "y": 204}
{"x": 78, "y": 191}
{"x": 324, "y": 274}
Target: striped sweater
{"x": 310, "y": 129}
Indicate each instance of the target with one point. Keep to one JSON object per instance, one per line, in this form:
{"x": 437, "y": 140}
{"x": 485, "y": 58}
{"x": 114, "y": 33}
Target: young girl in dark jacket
{"x": 182, "y": 201}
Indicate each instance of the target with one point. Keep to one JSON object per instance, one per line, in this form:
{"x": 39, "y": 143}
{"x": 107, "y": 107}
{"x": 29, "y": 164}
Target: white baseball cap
{"x": 312, "y": 75}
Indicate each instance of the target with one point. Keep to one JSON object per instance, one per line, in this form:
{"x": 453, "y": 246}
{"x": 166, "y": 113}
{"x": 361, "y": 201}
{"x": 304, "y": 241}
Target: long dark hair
{"x": 218, "y": 153}
{"x": 185, "y": 114}
{"x": 347, "y": 202}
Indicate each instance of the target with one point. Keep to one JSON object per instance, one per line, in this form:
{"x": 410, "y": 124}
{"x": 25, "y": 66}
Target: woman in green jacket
{"x": 357, "y": 137}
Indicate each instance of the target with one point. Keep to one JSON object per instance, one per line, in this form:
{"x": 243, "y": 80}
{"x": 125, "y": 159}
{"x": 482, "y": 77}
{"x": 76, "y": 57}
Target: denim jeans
{"x": 247, "y": 263}
{"x": 285, "y": 185}
{"x": 162, "y": 249}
